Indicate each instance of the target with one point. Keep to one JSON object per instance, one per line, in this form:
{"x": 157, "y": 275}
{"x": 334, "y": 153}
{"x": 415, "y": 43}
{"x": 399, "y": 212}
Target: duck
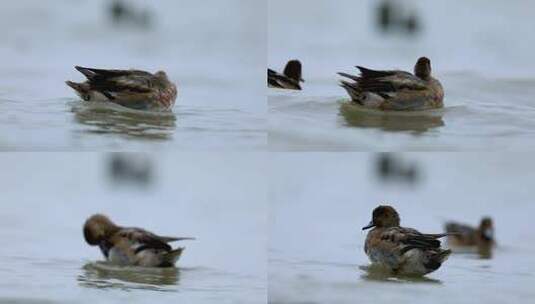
{"x": 130, "y": 246}
{"x": 395, "y": 90}
{"x": 133, "y": 89}
{"x": 463, "y": 235}
{"x": 401, "y": 250}
{"x": 290, "y": 78}
{"x": 121, "y": 13}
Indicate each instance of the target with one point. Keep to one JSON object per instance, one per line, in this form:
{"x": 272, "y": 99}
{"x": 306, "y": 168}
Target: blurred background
{"x": 219, "y": 199}
{"x": 478, "y": 50}
{"x": 319, "y": 203}
{"x": 214, "y": 51}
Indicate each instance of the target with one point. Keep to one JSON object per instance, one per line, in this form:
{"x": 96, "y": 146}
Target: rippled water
{"x": 45, "y": 257}
{"x": 486, "y": 71}
{"x": 215, "y": 54}
{"x": 320, "y": 201}
{"x": 469, "y": 121}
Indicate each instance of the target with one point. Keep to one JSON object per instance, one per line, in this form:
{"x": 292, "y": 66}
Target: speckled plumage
{"x": 130, "y": 88}
{"x": 402, "y": 250}
{"x": 395, "y": 90}
{"x": 129, "y": 246}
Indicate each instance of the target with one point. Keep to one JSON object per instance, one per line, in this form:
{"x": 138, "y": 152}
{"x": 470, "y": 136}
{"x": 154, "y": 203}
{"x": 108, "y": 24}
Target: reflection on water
{"x": 38, "y": 57}
{"x": 374, "y": 272}
{"x": 483, "y": 252}
{"x": 417, "y": 122}
{"x": 305, "y": 211}
{"x": 104, "y": 118}
{"x": 489, "y": 106}
{"x": 103, "y": 275}
{"x": 474, "y": 117}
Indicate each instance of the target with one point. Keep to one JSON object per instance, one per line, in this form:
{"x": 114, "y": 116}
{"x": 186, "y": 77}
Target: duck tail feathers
{"x": 88, "y": 73}
{"x": 443, "y": 255}
{"x": 78, "y": 87}
{"x": 172, "y": 256}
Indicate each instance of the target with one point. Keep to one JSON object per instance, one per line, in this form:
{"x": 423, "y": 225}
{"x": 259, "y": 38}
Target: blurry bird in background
{"x": 290, "y": 79}
{"x": 122, "y": 13}
{"x": 130, "y": 168}
{"x": 389, "y": 168}
{"x": 465, "y": 238}
{"x": 390, "y": 17}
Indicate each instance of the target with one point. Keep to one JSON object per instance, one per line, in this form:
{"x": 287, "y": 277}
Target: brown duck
{"x": 130, "y": 88}
{"x": 400, "y": 250}
{"x": 129, "y": 246}
{"x": 481, "y": 238}
{"x": 395, "y": 90}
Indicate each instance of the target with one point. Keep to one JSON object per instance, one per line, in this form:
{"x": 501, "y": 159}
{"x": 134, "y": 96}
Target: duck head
{"x": 161, "y": 75}
{"x": 98, "y": 228}
{"x": 293, "y": 70}
{"x": 383, "y": 217}
{"x": 486, "y": 229}
{"x": 422, "y": 69}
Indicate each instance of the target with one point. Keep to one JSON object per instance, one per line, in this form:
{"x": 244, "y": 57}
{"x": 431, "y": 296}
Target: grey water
{"x": 214, "y": 53}
{"x": 320, "y": 202}
{"x": 45, "y": 258}
{"x": 477, "y": 49}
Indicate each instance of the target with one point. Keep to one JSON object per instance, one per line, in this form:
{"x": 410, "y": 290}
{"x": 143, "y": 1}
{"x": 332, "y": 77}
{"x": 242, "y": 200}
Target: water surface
{"x": 320, "y": 202}
{"x": 219, "y": 199}
{"x": 215, "y": 54}
{"x": 487, "y": 72}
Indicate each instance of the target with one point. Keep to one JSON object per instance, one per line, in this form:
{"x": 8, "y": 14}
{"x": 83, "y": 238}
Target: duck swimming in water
{"x": 400, "y": 250}
{"x": 129, "y": 246}
{"x": 130, "y": 88}
{"x": 290, "y": 78}
{"x": 395, "y": 90}
{"x": 465, "y": 236}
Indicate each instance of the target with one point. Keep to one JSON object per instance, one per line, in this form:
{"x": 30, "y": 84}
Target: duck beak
{"x": 370, "y": 225}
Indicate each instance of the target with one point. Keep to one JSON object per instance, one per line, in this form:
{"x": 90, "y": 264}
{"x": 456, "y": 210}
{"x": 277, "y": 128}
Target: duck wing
{"x": 400, "y": 88}
{"x": 459, "y": 228}
{"x": 146, "y": 239}
{"x": 271, "y": 72}
{"x": 90, "y": 73}
{"x": 278, "y": 80}
{"x": 461, "y": 231}
{"x": 112, "y": 83}
{"x": 272, "y": 75}
{"x": 388, "y": 81}
{"x": 411, "y": 238}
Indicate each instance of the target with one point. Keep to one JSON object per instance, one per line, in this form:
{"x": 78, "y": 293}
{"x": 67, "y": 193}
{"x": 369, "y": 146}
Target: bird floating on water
{"x": 395, "y": 90}
{"x": 466, "y": 236}
{"x": 290, "y": 78}
{"x": 400, "y": 250}
{"x": 130, "y": 246}
{"x": 130, "y": 88}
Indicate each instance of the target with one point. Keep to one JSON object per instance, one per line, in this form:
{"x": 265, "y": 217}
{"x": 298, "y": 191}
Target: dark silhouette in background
{"x": 130, "y": 168}
{"x": 391, "y": 169}
{"x": 121, "y": 13}
{"x": 390, "y": 18}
